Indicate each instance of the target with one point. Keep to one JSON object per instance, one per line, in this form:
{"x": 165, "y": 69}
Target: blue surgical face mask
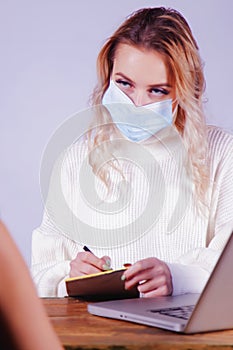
{"x": 136, "y": 123}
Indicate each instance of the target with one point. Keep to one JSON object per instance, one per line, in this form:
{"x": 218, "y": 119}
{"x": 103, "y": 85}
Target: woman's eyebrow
{"x": 160, "y": 85}
{"x": 124, "y": 77}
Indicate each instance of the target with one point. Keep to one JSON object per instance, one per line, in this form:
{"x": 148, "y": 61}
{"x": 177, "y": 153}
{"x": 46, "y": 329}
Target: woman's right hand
{"x": 87, "y": 263}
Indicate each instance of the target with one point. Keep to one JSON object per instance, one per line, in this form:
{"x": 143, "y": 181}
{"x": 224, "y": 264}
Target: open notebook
{"x": 189, "y": 313}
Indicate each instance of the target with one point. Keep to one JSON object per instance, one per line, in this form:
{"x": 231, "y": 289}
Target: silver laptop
{"x": 189, "y": 313}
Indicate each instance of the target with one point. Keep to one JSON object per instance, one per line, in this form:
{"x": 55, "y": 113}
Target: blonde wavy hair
{"x": 166, "y": 31}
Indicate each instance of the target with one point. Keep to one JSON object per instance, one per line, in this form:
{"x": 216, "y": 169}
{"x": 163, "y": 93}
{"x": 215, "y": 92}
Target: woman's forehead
{"x": 139, "y": 64}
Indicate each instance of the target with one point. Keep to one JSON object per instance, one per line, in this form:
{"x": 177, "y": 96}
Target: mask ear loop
{"x": 175, "y": 110}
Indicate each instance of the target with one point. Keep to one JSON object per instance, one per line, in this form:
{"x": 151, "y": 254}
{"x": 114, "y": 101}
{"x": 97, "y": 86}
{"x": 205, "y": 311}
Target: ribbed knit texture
{"x": 151, "y": 213}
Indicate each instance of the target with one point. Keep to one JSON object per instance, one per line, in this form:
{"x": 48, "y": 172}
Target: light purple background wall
{"x": 47, "y": 72}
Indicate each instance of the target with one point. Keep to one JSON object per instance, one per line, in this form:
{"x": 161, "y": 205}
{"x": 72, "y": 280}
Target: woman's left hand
{"x": 152, "y": 276}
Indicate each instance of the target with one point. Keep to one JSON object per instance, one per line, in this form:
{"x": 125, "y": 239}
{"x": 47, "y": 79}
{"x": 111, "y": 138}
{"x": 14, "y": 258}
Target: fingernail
{"x": 108, "y": 262}
{"x": 123, "y": 277}
{"x": 127, "y": 265}
{"x": 106, "y": 267}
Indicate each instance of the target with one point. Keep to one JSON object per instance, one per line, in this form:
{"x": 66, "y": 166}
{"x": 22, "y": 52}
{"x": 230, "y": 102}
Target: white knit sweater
{"x": 154, "y": 216}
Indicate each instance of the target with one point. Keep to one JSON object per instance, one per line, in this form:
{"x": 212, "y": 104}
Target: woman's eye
{"x": 159, "y": 92}
{"x": 123, "y": 83}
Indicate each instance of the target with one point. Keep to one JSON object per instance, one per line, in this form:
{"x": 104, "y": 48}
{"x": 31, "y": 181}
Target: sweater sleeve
{"x": 192, "y": 270}
{"x": 51, "y": 256}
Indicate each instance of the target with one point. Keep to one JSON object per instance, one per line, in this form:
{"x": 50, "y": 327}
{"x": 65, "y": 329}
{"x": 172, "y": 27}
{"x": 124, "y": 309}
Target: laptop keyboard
{"x": 183, "y": 312}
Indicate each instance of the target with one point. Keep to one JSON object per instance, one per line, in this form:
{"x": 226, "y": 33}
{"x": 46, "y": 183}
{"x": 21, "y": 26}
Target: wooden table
{"x": 77, "y": 329}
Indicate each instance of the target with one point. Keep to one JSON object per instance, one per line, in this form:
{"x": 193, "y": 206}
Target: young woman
{"x": 23, "y": 320}
{"x": 163, "y": 179}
